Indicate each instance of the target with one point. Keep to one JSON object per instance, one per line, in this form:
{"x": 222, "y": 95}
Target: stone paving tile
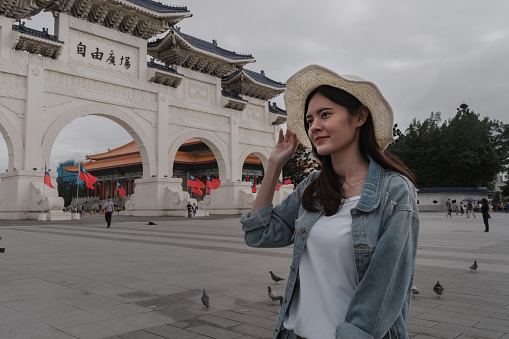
{"x": 476, "y": 332}
{"x": 122, "y": 274}
{"x": 172, "y": 332}
{"x": 100, "y": 329}
{"x": 214, "y": 332}
{"x": 256, "y": 331}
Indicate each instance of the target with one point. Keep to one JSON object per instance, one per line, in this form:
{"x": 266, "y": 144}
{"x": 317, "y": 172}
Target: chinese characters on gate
{"x": 111, "y": 59}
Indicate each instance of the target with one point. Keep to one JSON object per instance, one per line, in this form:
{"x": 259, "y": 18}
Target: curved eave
{"x": 153, "y": 13}
{"x": 24, "y": 39}
{"x": 166, "y": 42}
{"x": 242, "y": 76}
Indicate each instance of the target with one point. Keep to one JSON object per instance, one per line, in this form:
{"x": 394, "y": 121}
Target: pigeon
{"x": 273, "y": 296}
{"x": 151, "y": 223}
{"x": 275, "y": 277}
{"x": 474, "y": 266}
{"x": 280, "y": 298}
{"x": 205, "y": 300}
{"x": 414, "y": 291}
{"x": 438, "y": 289}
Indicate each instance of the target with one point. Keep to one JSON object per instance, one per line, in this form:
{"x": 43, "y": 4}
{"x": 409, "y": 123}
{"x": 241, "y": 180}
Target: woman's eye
{"x": 325, "y": 114}
{"x": 310, "y": 122}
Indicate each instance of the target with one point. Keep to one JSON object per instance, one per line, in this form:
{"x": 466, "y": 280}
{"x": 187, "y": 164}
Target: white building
{"x": 96, "y": 64}
{"x": 433, "y": 199}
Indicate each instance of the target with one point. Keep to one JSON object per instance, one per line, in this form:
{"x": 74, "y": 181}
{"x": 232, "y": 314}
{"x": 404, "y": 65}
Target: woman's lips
{"x": 319, "y": 139}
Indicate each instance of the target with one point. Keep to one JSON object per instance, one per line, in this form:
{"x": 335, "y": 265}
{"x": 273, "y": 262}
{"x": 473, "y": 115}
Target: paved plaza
{"x": 78, "y": 279}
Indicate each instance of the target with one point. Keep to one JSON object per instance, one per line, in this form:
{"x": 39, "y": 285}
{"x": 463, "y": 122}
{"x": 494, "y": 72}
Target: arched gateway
{"x": 96, "y": 64}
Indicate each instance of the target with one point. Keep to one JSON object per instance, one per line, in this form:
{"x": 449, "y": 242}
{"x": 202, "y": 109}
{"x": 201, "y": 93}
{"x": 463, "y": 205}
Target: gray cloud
{"x": 424, "y": 55}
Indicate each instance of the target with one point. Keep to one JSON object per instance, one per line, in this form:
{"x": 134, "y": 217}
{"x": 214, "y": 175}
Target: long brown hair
{"x": 328, "y": 186}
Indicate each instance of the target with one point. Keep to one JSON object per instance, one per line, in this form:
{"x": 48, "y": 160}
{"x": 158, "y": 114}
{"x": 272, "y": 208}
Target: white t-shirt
{"x": 327, "y": 277}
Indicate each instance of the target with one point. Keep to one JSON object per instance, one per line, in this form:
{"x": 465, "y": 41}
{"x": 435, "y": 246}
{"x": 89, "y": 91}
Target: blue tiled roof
{"x": 153, "y": 64}
{"x": 211, "y": 47}
{"x": 459, "y": 190}
{"x": 33, "y": 32}
{"x": 258, "y": 77}
{"x": 159, "y": 7}
{"x": 235, "y": 96}
{"x": 274, "y": 108}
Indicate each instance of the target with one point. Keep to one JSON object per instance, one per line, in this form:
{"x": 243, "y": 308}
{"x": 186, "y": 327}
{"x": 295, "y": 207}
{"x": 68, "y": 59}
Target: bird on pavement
{"x": 280, "y": 298}
{"x": 205, "y": 300}
{"x": 474, "y": 266}
{"x": 438, "y": 289}
{"x": 414, "y": 291}
{"x": 273, "y": 296}
{"x": 275, "y": 277}
{"x": 151, "y": 223}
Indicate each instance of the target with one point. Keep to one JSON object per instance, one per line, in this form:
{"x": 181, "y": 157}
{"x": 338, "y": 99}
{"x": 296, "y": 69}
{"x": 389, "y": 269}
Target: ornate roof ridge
{"x": 232, "y": 95}
{"x": 44, "y": 34}
{"x": 274, "y": 108}
{"x": 153, "y": 64}
{"x": 159, "y": 6}
{"x": 255, "y": 76}
{"x": 198, "y": 43}
{"x": 212, "y": 44}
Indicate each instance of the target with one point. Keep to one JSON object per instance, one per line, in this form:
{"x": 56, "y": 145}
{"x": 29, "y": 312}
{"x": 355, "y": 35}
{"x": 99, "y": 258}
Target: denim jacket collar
{"x": 372, "y": 189}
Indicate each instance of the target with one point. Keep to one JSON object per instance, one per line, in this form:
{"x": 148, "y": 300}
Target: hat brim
{"x": 305, "y": 81}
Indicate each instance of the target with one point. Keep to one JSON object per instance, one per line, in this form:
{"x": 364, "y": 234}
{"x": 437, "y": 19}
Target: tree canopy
{"x": 300, "y": 165}
{"x": 465, "y": 151}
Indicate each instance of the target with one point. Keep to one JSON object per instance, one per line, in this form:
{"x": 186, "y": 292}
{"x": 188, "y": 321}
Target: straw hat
{"x": 302, "y": 83}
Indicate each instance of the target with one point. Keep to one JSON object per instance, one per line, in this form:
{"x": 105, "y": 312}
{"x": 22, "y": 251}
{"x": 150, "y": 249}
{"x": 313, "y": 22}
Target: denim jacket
{"x": 385, "y": 227}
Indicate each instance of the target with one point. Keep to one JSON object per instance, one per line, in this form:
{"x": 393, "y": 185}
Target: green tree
{"x": 465, "y": 151}
{"x": 300, "y": 165}
{"x": 67, "y": 190}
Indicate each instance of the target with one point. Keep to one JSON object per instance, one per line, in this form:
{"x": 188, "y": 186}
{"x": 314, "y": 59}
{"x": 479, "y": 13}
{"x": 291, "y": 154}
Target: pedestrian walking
{"x": 485, "y": 210}
{"x": 194, "y": 210}
{"x": 339, "y": 285}
{"x": 470, "y": 209}
{"x": 108, "y": 211}
{"x": 448, "y": 204}
{"x": 189, "y": 210}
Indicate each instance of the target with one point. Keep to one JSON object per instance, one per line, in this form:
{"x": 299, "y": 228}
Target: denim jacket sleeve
{"x": 382, "y": 295}
{"x": 274, "y": 226}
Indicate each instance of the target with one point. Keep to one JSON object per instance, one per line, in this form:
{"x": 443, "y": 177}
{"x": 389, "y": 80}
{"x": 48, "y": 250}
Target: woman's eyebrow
{"x": 319, "y": 111}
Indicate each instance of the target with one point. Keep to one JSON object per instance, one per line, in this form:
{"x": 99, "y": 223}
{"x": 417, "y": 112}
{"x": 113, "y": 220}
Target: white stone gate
{"x": 96, "y": 64}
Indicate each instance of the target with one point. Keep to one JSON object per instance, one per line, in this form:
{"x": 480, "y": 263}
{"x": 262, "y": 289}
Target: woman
{"x": 485, "y": 210}
{"x": 354, "y": 225}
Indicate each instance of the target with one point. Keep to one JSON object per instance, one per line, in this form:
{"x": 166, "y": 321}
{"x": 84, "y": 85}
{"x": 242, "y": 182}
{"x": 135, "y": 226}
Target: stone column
{"x": 62, "y": 22}
{"x": 236, "y": 167}
{"x": 162, "y": 143}
{"x": 6, "y": 37}
{"x": 33, "y": 117}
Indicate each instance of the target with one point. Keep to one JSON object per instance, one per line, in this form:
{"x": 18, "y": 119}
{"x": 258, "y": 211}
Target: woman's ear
{"x": 362, "y": 115}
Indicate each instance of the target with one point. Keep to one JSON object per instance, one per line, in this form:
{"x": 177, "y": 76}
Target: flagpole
{"x": 77, "y": 186}
{"x": 43, "y": 191}
{"x": 187, "y": 181}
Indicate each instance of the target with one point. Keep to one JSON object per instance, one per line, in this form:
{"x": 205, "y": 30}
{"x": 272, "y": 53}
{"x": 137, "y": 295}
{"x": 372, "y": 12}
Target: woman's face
{"x": 332, "y": 130}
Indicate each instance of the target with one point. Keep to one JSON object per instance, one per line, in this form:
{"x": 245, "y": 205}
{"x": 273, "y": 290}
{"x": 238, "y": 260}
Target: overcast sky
{"x": 426, "y": 56}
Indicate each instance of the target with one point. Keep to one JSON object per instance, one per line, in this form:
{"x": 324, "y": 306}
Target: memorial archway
{"x": 13, "y": 142}
{"x": 120, "y": 117}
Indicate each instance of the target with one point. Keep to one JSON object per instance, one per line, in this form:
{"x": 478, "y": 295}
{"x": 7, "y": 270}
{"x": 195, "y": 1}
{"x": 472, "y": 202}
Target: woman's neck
{"x": 353, "y": 167}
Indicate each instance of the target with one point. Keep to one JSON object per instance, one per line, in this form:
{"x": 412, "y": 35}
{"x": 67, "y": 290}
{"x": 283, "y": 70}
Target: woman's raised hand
{"x": 284, "y": 149}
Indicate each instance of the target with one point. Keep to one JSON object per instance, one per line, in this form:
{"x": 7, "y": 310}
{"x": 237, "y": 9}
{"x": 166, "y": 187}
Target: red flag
{"x": 193, "y": 182}
{"x": 197, "y": 191}
{"x": 283, "y": 182}
{"x": 88, "y": 178}
{"x": 120, "y": 190}
{"x": 215, "y": 183}
{"x": 47, "y": 178}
